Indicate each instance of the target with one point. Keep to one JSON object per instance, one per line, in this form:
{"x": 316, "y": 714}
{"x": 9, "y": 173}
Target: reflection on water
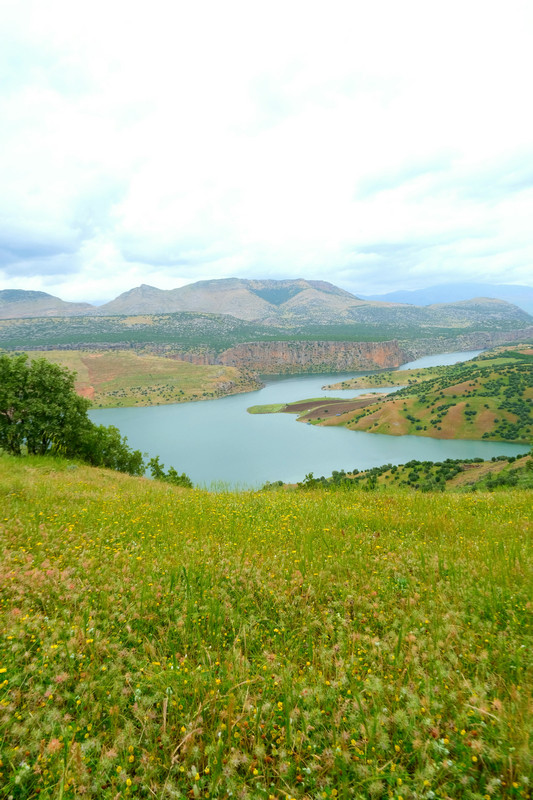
{"x": 218, "y": 441}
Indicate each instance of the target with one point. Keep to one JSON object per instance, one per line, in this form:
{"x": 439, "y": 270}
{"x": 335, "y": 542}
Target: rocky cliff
{"x": 478, "y": 340}
{"x": 292, "y": 357}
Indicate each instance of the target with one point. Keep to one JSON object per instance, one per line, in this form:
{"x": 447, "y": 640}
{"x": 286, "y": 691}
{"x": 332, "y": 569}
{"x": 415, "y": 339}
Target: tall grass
{"x": 165, "y": 643}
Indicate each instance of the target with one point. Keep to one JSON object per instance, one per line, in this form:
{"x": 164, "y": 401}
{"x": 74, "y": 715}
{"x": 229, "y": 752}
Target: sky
{"x": 379, "y": 145}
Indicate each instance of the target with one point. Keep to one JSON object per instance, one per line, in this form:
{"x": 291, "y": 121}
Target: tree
{"x": 172, "y": 476}
{"x": 41, "y": 413}
{"x": 13, "y": 380}
{"x": 103, "y": 446}
{"x": 39, "y": 408}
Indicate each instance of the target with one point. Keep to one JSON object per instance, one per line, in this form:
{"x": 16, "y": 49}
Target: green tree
{"x": 39, "y": 409}
{"x": 41, "y": 413}
{"x": 172, "y": 476}
{"x": 13, "y": 380}
{"x": 103, "y": 446}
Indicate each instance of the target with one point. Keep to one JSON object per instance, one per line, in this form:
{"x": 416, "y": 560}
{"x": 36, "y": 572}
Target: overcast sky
{"x": 377, "y": 145}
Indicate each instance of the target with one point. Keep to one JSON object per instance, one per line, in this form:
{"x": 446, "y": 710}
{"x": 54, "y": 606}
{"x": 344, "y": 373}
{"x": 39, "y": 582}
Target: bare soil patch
{"x": 86, "y": 391}
{"x": 316, "y": 409}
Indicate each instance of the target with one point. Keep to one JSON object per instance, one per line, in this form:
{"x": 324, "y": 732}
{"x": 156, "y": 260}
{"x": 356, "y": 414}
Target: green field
{"x": 167, "y": 643}
{"x": 272, "y": 408}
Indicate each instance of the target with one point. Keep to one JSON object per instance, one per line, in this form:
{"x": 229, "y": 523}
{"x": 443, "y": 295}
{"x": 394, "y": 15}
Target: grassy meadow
{"x": 116, "y": 378}
{"x": 168, "y": 643}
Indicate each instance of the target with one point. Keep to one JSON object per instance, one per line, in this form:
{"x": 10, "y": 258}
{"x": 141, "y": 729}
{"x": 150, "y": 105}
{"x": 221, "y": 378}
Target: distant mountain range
{"x": 522, "y": 296}
{"x": 250, "y": 300}
{"x": 19, "y": 303}
{"x": 282, "y": 304}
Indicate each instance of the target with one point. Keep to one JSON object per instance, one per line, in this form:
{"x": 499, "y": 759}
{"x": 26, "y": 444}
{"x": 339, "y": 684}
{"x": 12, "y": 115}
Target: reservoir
{"x": 217, "y": 443}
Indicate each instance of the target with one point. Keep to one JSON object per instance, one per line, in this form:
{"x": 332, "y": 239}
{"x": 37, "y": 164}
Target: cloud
{"x": 375, "y": 145}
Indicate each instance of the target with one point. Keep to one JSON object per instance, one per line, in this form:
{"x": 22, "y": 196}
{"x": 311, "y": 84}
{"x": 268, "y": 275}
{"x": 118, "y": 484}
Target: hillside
{"x": 451, "y": 475}
{"x": 114, "y": 378}
{"x": 490, "y": 397}
{"x": 487, "y": 398}
{"x": 172, "y": 643}
{"x": 250, "y": 300}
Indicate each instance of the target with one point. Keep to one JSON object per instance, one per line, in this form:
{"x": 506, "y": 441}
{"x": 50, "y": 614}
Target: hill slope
{"x": 171, "y": 643}
{"x": 487, "y": 398}
{"x": 19, "y": 303}
{"x": 290, "y": 303}
{"x": 251, "y": 300}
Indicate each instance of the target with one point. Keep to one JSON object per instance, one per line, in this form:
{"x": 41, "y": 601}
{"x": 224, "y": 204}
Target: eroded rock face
{"x": 477, "y": 340}
{"x": 279, "y": 357}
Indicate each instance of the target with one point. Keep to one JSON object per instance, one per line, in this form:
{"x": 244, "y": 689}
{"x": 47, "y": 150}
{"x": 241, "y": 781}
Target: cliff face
{"x": 478, "y": 340}
{"x": 279, "y": 357}
{"x": 293, "y": 357}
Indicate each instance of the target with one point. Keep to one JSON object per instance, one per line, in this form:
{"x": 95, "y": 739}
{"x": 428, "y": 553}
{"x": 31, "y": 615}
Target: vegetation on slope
{"x": 429, "y": 476}
{"x": 125, "y": 378}
{"x": 397, "y": 377}
{"x": 218, "y": 332}
{"x": 490, "y": 397}
{"x": 487, "y": 398}
{"x": 159, "y": 642}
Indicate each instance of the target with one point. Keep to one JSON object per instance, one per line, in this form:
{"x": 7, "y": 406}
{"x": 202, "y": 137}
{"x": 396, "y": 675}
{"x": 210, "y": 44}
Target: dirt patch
{"x": 474, "y": 472}
{"x": 485, "y": 421}
{"x": 391, "y": 416}
{"x": 453, "y": 421}
{"x": 86, "y": 391}
{"x": 315, "y": 409}
{"x": 458, "y": 388}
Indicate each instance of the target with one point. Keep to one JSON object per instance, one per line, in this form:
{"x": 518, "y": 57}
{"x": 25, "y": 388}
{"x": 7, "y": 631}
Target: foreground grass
{"x": 167, "y": 643}
{"x": 124, "y": 378}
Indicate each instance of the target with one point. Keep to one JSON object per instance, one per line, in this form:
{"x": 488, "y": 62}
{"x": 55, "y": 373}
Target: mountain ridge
{"x": 522, "y": 296}
{"x": 21, "y": 303}
{"x": 285, "y": 304}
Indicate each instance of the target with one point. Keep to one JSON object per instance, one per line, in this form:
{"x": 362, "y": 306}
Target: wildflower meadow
{"x": 160, "y": 642}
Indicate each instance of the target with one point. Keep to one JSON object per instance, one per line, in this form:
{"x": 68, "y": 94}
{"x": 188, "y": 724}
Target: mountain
{"x": 19, "y": 303}
{"x": 522, "y": 296}
{"x": 288, "y": 305}
{"x": 258, "y": 300}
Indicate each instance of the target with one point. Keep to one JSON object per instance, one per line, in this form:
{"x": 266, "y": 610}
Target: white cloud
{"x": 377, "y": 145}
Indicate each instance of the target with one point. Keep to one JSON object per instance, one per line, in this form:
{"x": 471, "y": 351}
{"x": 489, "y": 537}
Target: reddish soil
{"x": 87, "y": 391}
{"x": 326, "y": 408}
{"x": 458, "y": 389}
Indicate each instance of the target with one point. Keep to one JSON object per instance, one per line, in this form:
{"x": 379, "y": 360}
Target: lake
{"x": 216, "y": 442}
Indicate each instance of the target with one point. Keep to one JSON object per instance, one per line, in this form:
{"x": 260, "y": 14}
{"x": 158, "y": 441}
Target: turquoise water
{"x": 218, "y": 442}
